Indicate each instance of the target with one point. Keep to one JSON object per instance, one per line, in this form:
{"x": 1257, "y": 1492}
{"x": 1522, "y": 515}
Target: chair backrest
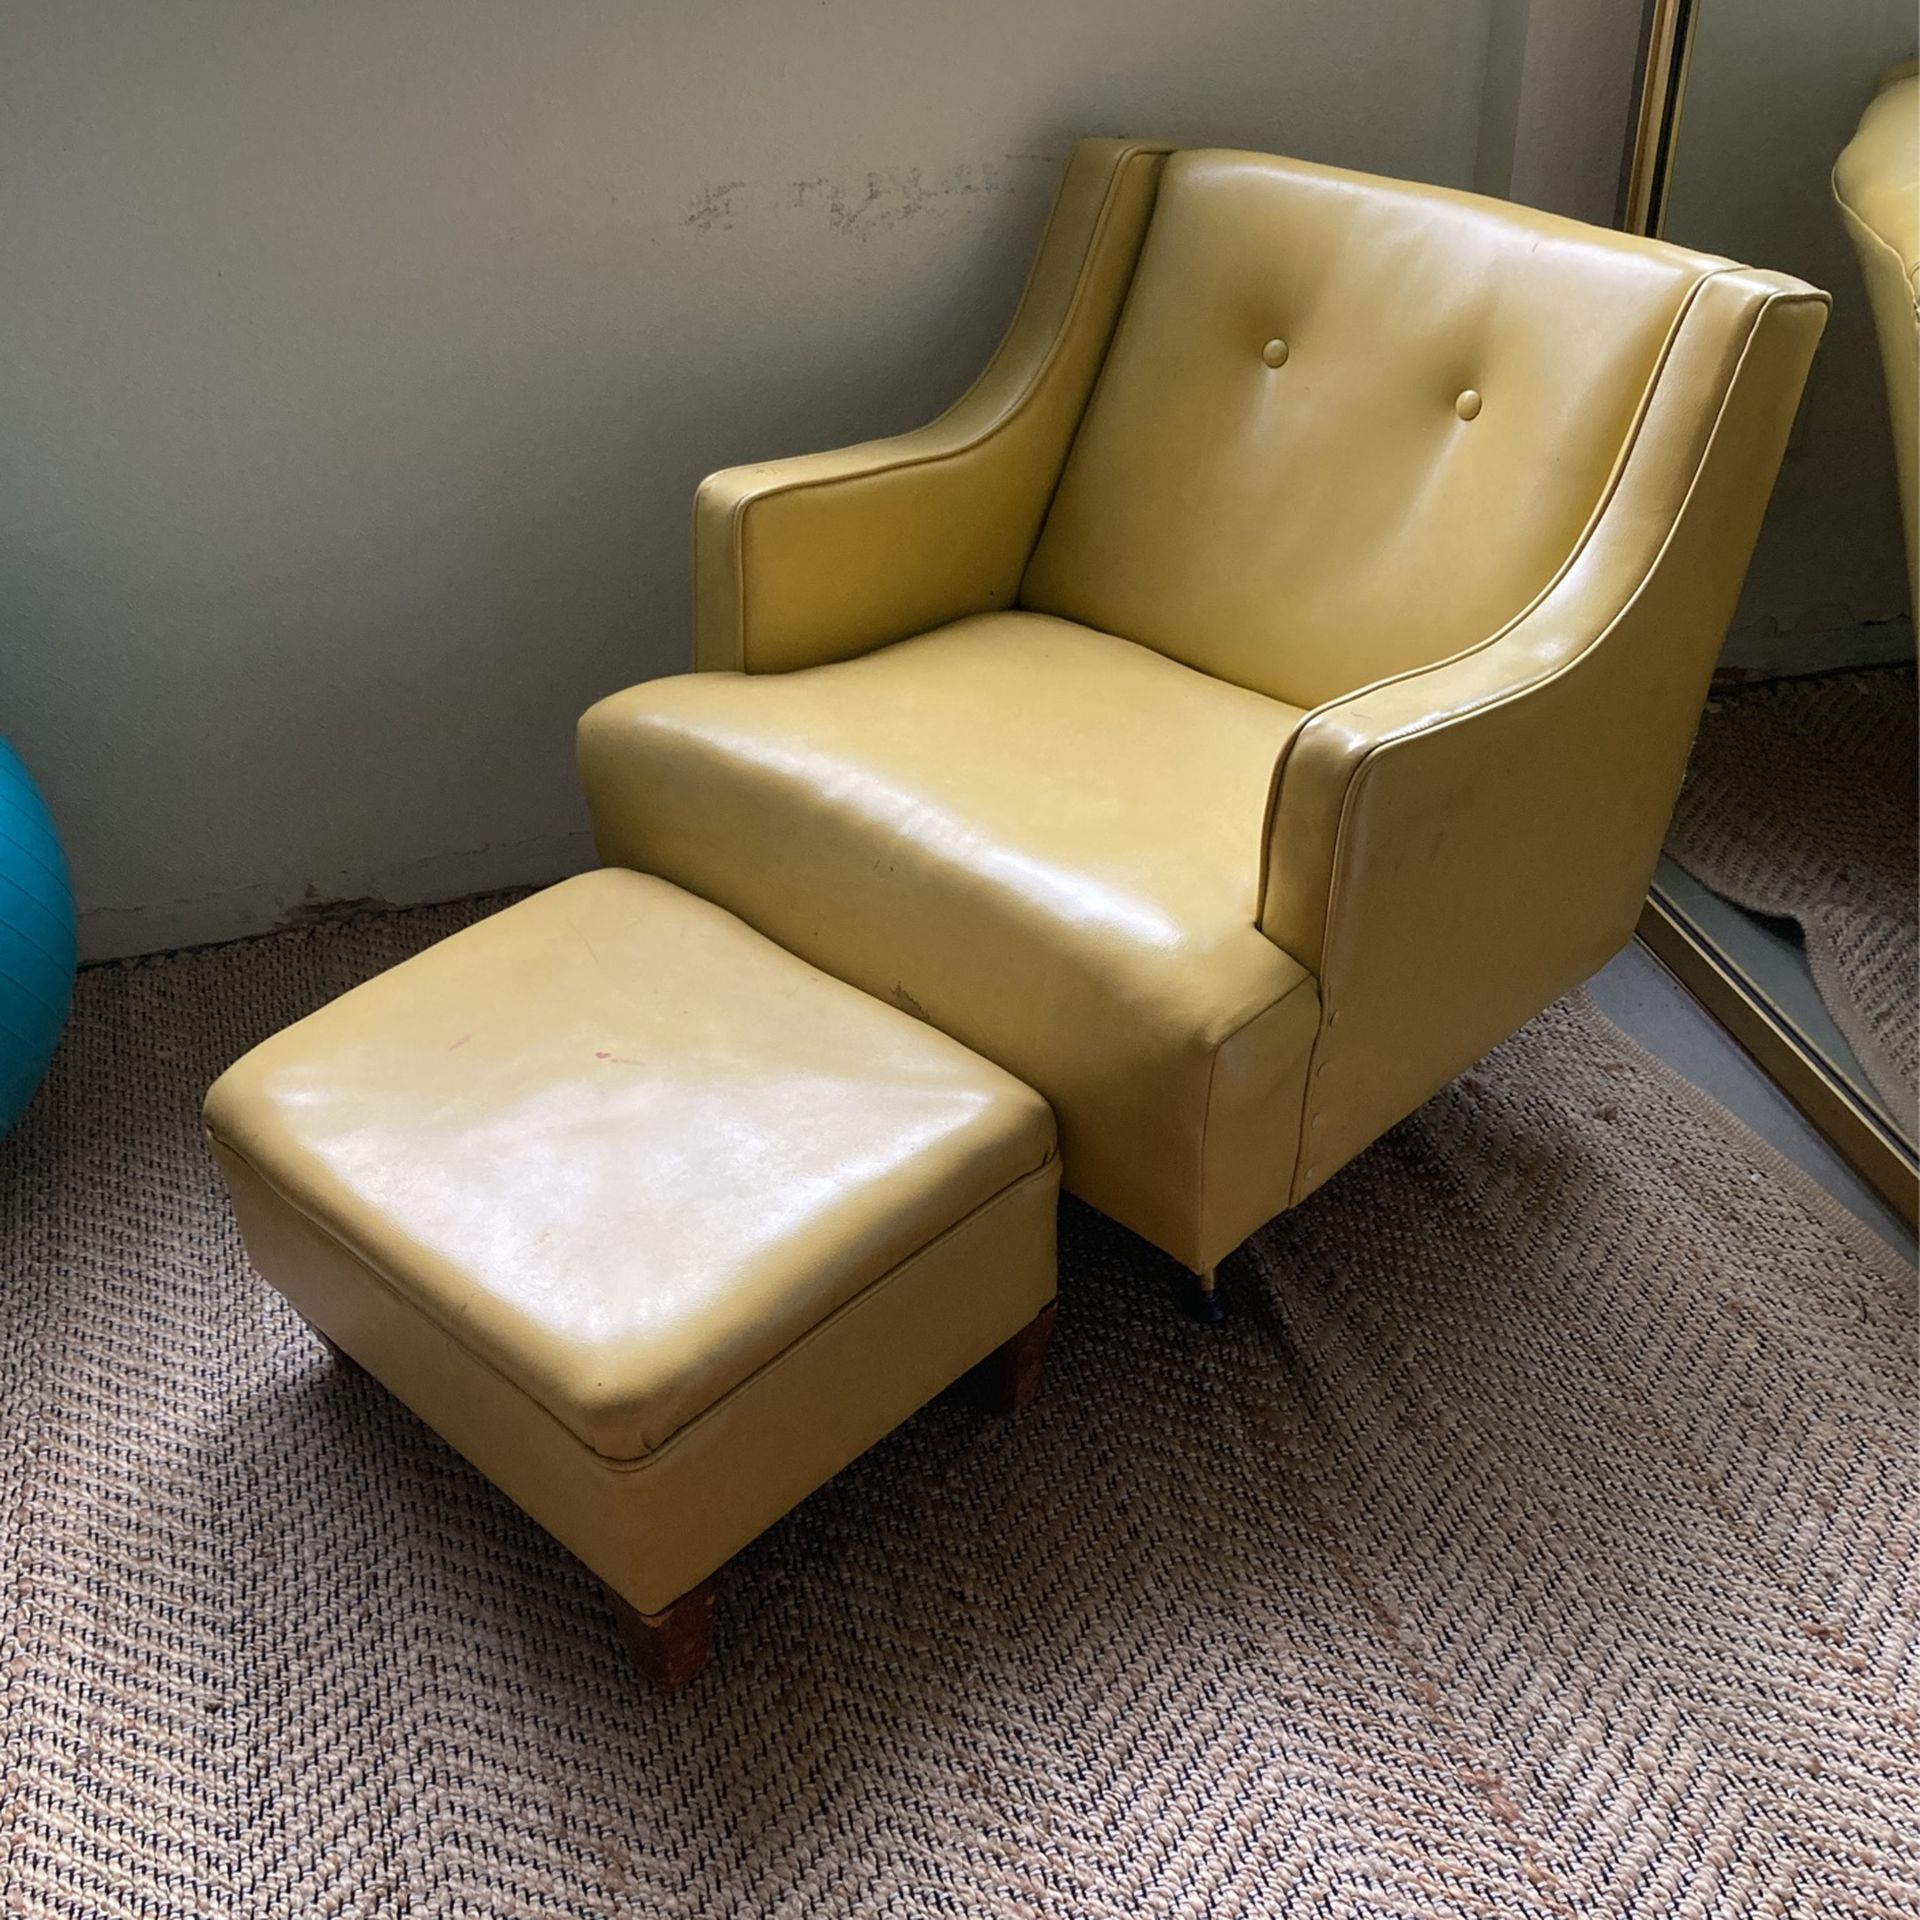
{"x": 1348, "y": 426}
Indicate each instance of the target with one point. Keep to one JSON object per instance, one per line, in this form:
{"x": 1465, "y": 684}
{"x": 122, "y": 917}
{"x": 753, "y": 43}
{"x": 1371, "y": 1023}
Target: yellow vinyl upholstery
{"x": 657, "y": 1226}
{"x": 1367, "y": 527}
{"x": 1450, "y": 850}
{"x": 825, "y": 556}
{"x": 1270, "y": 694}
{"x": 1876, "y": 182}
{"x": 1039, "y": 838}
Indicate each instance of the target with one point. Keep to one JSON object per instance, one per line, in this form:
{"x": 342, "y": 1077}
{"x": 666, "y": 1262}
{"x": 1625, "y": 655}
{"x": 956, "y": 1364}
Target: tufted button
{"x": 1467, "y": 405}
{"x": 1274, "y": 353}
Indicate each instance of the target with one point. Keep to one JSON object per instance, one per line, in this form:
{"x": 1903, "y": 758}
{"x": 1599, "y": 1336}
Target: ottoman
{"x": 656, "y": 1224}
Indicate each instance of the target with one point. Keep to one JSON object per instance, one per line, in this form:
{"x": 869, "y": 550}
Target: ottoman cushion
{"x": 609, "y": 1165}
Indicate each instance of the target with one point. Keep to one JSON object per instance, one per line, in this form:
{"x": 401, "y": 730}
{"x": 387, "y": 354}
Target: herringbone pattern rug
{"x": 1538, "y": 1539}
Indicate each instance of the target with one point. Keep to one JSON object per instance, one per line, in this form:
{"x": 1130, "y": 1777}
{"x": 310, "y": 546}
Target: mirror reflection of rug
{"x": 1800, "y": 802}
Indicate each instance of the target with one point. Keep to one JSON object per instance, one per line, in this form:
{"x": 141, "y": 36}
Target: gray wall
{"x": 1562, "y": 79}
{"x": 358, "y": 359}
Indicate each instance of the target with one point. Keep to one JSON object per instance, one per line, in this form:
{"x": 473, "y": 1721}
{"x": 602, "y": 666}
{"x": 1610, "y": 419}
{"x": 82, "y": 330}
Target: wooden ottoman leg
{"x": 669, "y": 1648}
{"x": 1009, "y": 1377}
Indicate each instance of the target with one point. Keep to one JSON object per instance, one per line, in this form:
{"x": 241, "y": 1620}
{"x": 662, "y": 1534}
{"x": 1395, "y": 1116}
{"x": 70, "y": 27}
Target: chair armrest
{"x": 829, "y": 555}
{"x": 1452, "y": 849}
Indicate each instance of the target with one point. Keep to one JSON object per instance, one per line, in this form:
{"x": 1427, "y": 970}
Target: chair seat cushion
{"x": 622, "y": 1149}
{"x": 1040, "y": 838}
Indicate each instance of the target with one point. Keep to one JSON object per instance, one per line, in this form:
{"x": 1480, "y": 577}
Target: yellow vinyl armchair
{"x": 1263, "y": 691}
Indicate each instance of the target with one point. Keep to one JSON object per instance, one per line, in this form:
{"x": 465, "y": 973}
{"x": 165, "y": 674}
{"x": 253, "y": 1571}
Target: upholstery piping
{"x": 1513, "y": 694}
{"x": 1609, "y": 487}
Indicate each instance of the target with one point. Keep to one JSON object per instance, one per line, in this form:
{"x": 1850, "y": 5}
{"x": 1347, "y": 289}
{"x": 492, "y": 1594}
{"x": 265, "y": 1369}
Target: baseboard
{"x": 163, "y": 926}
{"x": 1760, "y": 653}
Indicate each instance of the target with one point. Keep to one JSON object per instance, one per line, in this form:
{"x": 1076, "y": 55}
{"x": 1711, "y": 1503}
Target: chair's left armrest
{"x": 829, "y": 555}
{"x": 1451, "y": 850}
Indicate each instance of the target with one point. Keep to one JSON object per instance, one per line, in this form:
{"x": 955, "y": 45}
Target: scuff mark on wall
{"x": 875, "y": 203}
{"x": 313, "y": 911}
{"x": 717, "y": 207}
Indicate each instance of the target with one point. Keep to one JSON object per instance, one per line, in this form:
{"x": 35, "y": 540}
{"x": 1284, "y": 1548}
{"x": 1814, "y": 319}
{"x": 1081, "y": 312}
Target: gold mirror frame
{"x": 1760, "y": 1026}
{"x": 1666, "y": 45}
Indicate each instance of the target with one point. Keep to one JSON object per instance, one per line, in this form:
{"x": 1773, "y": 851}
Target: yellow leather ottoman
{"x": 656, "y": 1224}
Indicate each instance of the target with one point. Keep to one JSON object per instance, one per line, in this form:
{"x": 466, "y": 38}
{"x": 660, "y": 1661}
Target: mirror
{"x": 1786, "y": 896}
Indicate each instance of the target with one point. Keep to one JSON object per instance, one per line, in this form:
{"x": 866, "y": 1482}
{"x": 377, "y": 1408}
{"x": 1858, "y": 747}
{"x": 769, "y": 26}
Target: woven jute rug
{"x": 1537, "y": 1539}
{"x": 1800, "y": 801}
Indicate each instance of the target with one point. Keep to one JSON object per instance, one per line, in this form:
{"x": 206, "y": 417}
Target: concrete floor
{"x": 1637, "y": 993}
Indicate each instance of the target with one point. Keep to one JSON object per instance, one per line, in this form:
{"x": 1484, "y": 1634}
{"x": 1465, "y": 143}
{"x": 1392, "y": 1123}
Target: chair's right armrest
{"x": 1450, "y": 850}
{"x": 828, "y": 555}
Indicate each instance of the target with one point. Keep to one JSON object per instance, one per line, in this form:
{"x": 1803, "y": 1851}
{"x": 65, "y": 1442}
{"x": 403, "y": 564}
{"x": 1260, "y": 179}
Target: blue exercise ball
{"x": 36, "y": 937}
